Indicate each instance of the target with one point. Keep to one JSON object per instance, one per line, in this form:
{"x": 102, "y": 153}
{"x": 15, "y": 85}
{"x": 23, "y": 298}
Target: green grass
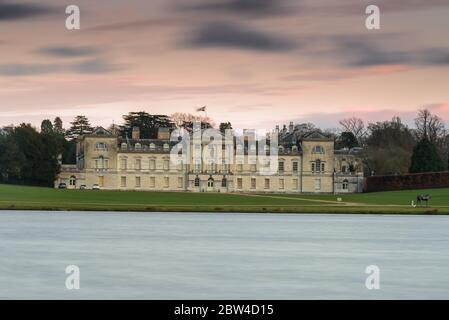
{"x": 35, "y": 198}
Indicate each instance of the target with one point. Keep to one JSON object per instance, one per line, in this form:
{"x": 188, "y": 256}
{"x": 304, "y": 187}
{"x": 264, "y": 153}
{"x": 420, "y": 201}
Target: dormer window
{"x": 166, "y": 147}
{"x": 281, "y": 149}
{"x": 294, "y": 149}
{"x": 124, "y": 146}
{"x": 318, "y": 149}
{"x": 138, "y": 146}
{"x": 152, "y": 146}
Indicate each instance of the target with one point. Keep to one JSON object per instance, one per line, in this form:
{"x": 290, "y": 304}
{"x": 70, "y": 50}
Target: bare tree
{"x": 429, "y": 126}
{"x": 181, "y": 119}
{"x": 356, "y": 126}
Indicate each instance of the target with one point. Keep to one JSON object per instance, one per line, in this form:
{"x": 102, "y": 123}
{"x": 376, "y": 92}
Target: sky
{"x": 255, "y": 63}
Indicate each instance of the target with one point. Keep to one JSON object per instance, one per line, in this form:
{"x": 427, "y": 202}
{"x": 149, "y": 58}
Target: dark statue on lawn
{"x": 423, "y": 197}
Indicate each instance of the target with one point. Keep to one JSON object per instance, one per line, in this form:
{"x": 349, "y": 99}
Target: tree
{"x": 356, "y": 126}
{"x": 346, "y": 140}
{"x": 388, "y": 147}
{"x": 425, "y": 158}
{"x": 57, "y": 126}
{"x": 225, "y": 126}
{"x": 148, "y": 124}
{"x": 429, "y": 126}
{"x": 80, "y": 126}
{"x": 47, "y": 127}
{"x": 186, "y": 120}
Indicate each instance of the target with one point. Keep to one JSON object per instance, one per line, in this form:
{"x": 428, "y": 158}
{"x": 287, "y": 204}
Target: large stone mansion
{"x": 307, "y": 163}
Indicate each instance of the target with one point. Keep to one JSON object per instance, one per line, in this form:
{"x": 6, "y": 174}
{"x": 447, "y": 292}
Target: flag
{"x": 201, "y": 109}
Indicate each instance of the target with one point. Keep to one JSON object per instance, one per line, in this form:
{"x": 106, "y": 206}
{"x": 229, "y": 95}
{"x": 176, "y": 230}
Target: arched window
{"x": 294, "y": 149}
{"x": 210, "y": 183}
{"x": 152, "y": 146}
{"x": 197, "y": 182}
{"x": 345, "y": 184}
{"x": 72, "y": 181}
{"x": 138, "y": 146}
{"x": 224, "y": 182}
{"x": 124, "y": 146}
{"x": 166, "y": 147}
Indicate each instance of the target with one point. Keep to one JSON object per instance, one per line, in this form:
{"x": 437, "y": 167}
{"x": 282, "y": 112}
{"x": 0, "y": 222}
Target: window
{"x": 210, "y": 183}
{"x": 100, "y": 146}
{"x": 267, "y": 184}
{"x": 295, "y": 166}
{"x": 295, "y": 184}
{"x": 72, "y": 181}
{"x": 318, "y": 149}
{"x": 253, "y": 183}
{"x": 123, "y": 164}
{"x": 224, "y": 183}
{"x": 294, "y": 149}
{"x": 197, "y": 166}
{"x": 180, "y": 182}
{"x": 345, "y": 184}
{"x": 166, "y": 182}
{"x": 239, "y": 167}
{"x": 239, "y": 183}
{"x": 123, "y": 181}
{"x": 281, "y": 166}
{"x": 124, "y": 146}
{"x": 137, "y": 182}
{"x": 322, "y": 167}
{"x": 317, "y": 184}
{"x": 138, "y": 146}
{"x": 166, "y": 165}
{"x": 197, "y": 182}
{"x": 152, "y": 164}
{"x": 281, "y": 183}
{"x": 253, "y": 168}
{"x": 166, "y": 147}
{"x": 152, "y": 147}
{"x": 152, "y": 182}
{"x": 138, "y": 164}
{"x": 343, "y": 168}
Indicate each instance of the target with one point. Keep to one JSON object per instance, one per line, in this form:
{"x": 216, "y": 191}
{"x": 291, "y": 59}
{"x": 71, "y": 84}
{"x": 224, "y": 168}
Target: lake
{"x": 222, "y": 256}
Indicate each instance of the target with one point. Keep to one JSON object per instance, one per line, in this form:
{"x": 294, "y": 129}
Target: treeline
{"x": 32, "y": 156}
{"x": 391, "y": 147}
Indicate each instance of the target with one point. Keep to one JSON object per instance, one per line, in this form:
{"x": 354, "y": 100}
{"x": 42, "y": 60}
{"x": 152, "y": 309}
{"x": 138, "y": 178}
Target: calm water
{"x": 222, "y": 256}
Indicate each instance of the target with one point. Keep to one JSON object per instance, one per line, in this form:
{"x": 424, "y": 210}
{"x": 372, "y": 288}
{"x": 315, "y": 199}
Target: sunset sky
{"x": 256, "y": 63}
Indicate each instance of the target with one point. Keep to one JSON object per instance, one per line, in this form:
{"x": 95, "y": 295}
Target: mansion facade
{"x": 307, "y": 163}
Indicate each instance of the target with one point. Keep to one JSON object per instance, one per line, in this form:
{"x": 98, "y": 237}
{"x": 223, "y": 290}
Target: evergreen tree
{"x": 46, "y": 127}
{"x": 425, "y": 158}
{"x": 147, "y": 123}
{"x": 57, "y": 126}
{"x": 80, "y": 126}
{"x": 347, "y": 140}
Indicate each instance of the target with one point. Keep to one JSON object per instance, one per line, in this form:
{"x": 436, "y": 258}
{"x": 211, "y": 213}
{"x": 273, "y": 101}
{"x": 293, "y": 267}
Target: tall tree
{"x": 356, "y": 126}
{"x": 429, "y": 126}
{"x": 57, "y": 126}
{"x": 425, "y": 158}
{"x": 148, "y": 124}
{"x": 79, "y": 126}
{"x": 47, "y": 127}
{"x": 225, "y": 126}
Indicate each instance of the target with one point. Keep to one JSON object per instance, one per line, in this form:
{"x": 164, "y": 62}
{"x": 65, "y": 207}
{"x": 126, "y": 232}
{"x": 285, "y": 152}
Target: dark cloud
{"x": 221, "y": 34}
{"x": 434, "y": 56}
{"x": 15, "y": 11}
{"x": 95, "y": 66}
{"x": 69, "y": 52}
{"x": 255, "y": 7}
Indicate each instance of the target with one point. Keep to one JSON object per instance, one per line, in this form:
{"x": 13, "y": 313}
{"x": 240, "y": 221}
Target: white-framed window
{"x": 152, "y": 182}
{"x": 72, "y": 181}
{"x": 138, "y": 146}
{"x": 138, "y": 180}
{"x": 138, "y": 164}
{"x": 124, "y": 146}
{"x": 295, "y": 166}
{"x": 123, "y": 164}
{"x": 100, "y": 146}
{"x": 123, "y": 182}
{"x": 152, "y": 146}
{"x": 152, "y": 164}
{"x": 166, "y": 147}
{"x": 345, "y": 185}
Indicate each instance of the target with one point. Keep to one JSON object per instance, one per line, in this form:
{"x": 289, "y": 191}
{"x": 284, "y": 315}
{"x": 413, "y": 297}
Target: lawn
{"x": 35, "y": 198}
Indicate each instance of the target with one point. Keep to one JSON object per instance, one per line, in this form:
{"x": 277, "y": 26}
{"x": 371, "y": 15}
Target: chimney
{"x": 290, "y": 127}
{"x": 277, "y": 128}
{"x": 136, "y": 133}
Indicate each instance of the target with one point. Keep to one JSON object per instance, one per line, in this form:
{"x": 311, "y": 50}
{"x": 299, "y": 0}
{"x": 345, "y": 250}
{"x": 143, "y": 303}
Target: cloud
{"x": 253, "y": 7}
{"x": 95, "y": 66}
{"x": 69, "y": 52}
{"x": 238, "y": 36}
{"x": 16, "y": 11}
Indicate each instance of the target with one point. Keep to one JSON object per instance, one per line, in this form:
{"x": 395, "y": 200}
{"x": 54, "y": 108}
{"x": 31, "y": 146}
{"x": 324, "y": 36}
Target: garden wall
{"x": 407, "y": 181}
